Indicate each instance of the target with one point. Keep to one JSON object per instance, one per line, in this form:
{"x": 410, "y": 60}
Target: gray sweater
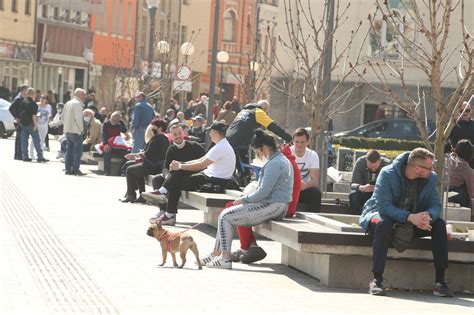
{"x": 361, "y": 174}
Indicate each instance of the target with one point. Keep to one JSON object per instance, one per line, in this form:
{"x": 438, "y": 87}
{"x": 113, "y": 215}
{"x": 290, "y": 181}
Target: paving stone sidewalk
{"x": 68, "y": 246}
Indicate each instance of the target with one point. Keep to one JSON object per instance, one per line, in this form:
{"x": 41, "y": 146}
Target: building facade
{"x": 17, "y": 43}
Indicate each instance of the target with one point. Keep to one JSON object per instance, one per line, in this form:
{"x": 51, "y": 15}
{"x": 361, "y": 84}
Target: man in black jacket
{"x": 15, "y": 110}
{"x": 241, "y": 130}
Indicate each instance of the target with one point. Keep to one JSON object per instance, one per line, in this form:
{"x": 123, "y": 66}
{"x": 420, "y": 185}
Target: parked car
{"x": 395, "y": 128}
{"x": 7, "y": 126}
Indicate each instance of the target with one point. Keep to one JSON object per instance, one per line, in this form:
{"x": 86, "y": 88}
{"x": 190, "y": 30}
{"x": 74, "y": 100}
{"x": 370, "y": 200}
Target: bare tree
{"x": 402, "y": 54}
{"x": 310, "y": 40}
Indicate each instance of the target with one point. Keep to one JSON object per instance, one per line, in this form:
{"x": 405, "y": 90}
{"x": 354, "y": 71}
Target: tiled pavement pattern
{"x": 67, "y": 246}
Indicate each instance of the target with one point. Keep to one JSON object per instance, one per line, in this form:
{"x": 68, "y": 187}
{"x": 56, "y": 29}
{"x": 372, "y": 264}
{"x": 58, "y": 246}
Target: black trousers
{"x": 18, "y": 155}
{"x": 311, "y": 197}
{"x": 178, "y": 181}
{"x": 136, "y": 179}
{"x": 382, "y": 234}
{"x": 357, "y": 200}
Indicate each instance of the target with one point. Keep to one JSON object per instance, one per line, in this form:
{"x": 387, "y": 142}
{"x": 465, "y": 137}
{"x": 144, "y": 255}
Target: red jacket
{"x": 296, "y": 181}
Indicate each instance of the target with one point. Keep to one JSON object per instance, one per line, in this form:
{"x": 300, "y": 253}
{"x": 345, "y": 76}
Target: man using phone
{"x": 364, "y": 176}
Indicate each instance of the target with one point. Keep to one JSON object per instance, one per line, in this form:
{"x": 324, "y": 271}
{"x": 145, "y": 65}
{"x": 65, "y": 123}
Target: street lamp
{"x": 152, "y": 5}
{"x": 187, "y": 49}
{"x": 89, "y": 56}
{"x": 254, "y": 67}
{"x": 60, "y": 74}
{"x": 222, "y": 57}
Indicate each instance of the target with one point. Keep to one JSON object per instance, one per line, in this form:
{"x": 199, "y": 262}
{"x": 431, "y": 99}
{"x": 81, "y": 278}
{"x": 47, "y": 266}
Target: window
{"x": 249, "y": 31}
{"x": 14, "y": 6}
{"x": 163, "y": 6}
{"x": 67, "y": 15}
{"x": 78, "y": 18}
{"x": 44, "y": 11}
{"x": 114, "y": 17}
{"x": 105, "y": 20}
{"x": 56, "y": 13}
{"x": 229, "y": 26}
{"x": 1, "y": 5}
{"x": 27, "y": 7}
{"x": 120, "y": 30}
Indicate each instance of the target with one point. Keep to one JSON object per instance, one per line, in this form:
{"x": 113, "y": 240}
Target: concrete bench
{"x": 332, "y": 249}
{"x": 116, "y": 163}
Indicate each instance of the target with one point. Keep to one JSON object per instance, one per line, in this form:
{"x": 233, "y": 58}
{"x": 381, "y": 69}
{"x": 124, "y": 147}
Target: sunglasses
{"x": 467, "y": 110}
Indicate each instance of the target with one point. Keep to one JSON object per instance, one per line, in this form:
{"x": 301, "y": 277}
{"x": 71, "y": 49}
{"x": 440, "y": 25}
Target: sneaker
{"x": 154, "y": 219}
{"x": 220, "y": 263}
{"x": 207, "y": 259}
{"x": 376, "y": 287}
{"x": 155, "y": 196}
{"x": 165, "y": 220}
{"x": 42, "y": 160}
{"x": 252, "y": 255}
{"x": 234, "y": 256}
{"x": 441, "y": 289}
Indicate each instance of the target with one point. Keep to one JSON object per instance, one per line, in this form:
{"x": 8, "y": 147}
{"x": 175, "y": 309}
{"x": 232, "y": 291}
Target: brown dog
{"x": 173, "y": 243}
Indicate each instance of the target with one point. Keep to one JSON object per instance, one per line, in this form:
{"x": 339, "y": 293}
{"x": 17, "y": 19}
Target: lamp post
{"x": 254, "y": 67}
{"x": 89, "y": 56}
{"x": 152, "y": 6}
{"x": 222, "y": 57}
{"x": 60, "y": 74}
{"x": 163, "y": 48}
{"x": 187, "y": 49}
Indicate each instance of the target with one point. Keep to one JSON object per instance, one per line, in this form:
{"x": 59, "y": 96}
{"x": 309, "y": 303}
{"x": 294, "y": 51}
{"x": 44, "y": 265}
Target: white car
{"x": 7, "y": 126}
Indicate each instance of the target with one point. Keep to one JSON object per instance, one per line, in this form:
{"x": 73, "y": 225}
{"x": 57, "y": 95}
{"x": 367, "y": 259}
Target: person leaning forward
{"x": 406, "y": 204}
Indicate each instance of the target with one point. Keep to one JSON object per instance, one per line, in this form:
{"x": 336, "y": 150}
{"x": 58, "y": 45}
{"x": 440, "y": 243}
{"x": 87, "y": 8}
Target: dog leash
{"x": 190, "y": 228}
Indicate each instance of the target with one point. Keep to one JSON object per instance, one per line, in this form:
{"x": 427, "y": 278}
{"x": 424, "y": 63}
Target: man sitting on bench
{"x": 308, "y": 163}
{"x": 216, "y": 167}
{"x": 406, "y": 204}
{"x": 364, "y": 175}
{"x": 181, "y": 150}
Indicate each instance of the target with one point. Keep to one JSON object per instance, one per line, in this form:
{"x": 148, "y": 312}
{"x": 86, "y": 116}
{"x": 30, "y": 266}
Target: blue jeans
{"x": 25, "y": 134}
{"x": 138, "y": 139}
{"x": 73, "y": 152}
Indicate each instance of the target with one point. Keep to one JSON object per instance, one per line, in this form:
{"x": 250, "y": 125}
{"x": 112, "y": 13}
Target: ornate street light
{"x": 152, "y": 6}
{"x": 89, "y": 56}
{"x": 222, "y": 58}
{"x": 60, "y": 74}
{"x": 187, "y": 49}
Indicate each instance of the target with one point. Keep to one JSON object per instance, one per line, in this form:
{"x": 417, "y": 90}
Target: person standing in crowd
{"x": 15, "y": 110}
{"x": 308, "y": 163}
{"x": 406, "y": 203}
{"x": 44, "y": 113}
{"x": 142, "y": 115}
{"x": 364, "y": 176}
{"x": 464, "y": 128}
{"x": 201, "y": 107}
{"x": 93, "y": 131}
{"x": 74, "y": 130}
{"x": 269, "y": 201}
{"x": 227, "y": 114}
{"x": 29, "y": 125}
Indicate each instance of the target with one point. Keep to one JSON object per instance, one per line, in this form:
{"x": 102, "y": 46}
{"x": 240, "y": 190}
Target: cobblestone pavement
{"x": 68, "y": 246}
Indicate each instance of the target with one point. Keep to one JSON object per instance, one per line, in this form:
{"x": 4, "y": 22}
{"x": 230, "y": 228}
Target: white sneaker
{"x": 207, "y": 259}
{"x": 220, "y": 263}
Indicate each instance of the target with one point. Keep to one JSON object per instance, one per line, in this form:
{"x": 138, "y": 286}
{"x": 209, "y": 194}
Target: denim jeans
{"x": 25, "y": 134}
{"x": 138, "y": 139}
{"x": 73, "y": 152}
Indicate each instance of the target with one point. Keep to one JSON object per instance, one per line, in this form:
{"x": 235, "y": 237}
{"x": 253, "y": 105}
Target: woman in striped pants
{"x": 269, "y": 201}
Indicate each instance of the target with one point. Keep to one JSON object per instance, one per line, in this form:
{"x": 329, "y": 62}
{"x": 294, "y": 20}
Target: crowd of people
{"x": 392, "y": 199}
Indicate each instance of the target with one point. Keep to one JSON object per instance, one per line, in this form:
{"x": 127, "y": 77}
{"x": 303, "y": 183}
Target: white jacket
{"x": 72, "y": 116}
